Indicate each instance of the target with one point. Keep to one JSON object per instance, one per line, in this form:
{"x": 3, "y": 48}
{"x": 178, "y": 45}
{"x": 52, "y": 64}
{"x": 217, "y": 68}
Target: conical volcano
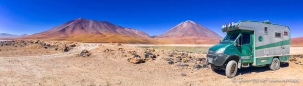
{"x": 85, "y": 30}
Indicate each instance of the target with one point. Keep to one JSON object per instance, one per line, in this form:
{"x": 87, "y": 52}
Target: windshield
{"x": 230, "y": 37}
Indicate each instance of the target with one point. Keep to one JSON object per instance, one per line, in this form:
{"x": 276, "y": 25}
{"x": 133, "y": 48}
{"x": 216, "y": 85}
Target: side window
{"x": 245, "y": 39}
{"x": 285, "y": 33}
{"x": 265, "y": 30}
{"x": 278, "y": 35}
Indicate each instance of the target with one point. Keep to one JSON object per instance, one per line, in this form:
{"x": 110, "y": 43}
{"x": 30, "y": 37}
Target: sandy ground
{"x": 110, "y": 69}
{"x": 296, "y": 50}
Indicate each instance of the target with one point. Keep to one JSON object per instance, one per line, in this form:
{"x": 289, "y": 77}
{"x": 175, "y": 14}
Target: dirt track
{"x": 111, "y": 70}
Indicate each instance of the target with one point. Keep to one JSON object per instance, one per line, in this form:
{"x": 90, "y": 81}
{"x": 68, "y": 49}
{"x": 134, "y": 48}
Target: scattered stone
{"x": 171, "y": 55}
{"x": 169, "y": 59}
{"x": 65, "y": 49}
{"x": 135, "y": 60}
{"x": 170, "y": 62}
{"x": 197, "y": 66}
{"x": 204, "y": 66}
{"x": 183, "y": 74}
{"x": 182, "y": 65}
{"x": 85, "y": 53}
{"x": 72, "y": 45}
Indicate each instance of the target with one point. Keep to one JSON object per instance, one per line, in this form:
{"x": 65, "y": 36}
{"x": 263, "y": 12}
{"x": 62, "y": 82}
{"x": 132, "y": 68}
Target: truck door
{"x": 246, "y": 46}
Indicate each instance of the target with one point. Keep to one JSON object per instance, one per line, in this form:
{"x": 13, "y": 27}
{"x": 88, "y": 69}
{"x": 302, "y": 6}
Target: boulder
{"x": 197, "y": 66}
{"x": 85, "y": 53}
{"x": 170, "y": 62}
{"x": 136, "y": 60}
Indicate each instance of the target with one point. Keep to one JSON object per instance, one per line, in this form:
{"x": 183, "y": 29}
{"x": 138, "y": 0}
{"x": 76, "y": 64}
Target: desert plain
{"x": 65, "y": 63}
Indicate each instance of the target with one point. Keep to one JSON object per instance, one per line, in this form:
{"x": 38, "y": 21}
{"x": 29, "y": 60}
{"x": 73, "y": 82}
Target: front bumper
{"x": 216, "y": 59}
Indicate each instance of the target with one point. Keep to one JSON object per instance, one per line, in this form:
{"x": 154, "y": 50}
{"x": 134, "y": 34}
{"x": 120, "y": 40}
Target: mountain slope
{"x": 189, "y": 32}
{"x": 189, "y": 29}
{"x": 297, "y": 41}
{"x": 91, "y": 31}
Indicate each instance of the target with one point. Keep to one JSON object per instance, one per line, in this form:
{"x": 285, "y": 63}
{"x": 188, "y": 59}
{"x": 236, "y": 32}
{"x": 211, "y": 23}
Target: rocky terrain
{"x": 114, "y": 64}
{"x": 34, "y": 47}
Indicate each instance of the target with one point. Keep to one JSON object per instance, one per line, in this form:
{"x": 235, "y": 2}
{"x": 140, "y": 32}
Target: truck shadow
{"x": 251, "y": 69}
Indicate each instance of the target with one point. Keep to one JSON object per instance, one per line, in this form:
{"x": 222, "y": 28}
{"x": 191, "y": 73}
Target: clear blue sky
{"x": 152, "y": 16}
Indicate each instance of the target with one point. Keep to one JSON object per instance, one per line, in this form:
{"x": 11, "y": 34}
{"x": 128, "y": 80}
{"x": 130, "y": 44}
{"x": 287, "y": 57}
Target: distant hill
{"x": 189, "y": 32}
{"x": 10, "y": 36}
{"x": 298, "y": 41}
{"x": 85, "y": 30}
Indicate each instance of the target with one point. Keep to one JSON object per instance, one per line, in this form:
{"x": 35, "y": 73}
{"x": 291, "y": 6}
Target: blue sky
{"x": 151, "y": 16}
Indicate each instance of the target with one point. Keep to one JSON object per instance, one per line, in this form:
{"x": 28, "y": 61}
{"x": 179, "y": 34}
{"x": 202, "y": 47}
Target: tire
{"x": 275, "y": 64}
{"x": 231, "y": 69}
{"x": 213, "y": 67}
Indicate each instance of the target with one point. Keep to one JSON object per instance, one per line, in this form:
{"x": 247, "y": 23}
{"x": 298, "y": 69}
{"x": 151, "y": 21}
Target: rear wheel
{"x": 231, "y": 69}
{"x": 275, "y": 64}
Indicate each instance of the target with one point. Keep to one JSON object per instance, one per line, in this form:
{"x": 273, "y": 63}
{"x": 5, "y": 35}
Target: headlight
{"x": 220, "y": 50}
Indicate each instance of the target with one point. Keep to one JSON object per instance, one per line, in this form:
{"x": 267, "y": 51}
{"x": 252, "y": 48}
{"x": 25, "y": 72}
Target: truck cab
{"x": 250, "y": 43}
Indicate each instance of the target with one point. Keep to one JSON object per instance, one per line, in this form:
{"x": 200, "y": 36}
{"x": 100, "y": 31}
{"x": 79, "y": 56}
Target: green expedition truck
{"x": 250, "y": 43}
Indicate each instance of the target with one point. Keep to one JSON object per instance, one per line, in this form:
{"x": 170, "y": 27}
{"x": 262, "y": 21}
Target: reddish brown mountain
{"x": 190, "y": 29}
{"x": 91, "y": 31}
{"x": 297, "y": 41}
{"x": 190, "y": 32}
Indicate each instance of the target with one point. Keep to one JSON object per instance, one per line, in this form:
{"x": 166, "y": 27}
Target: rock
{"x": 135, "y": 60}
{"x": 292, "y": 59}
{"x": 197, "y": 66}
{"x": 204, "y": 66}
{"x": 170, "y": 62}
{"x": 169, "y": 59}
{"x": 56, "y": 48}
{"x": 147, "y": 54}
{"x": 171, "y": 55}
{"x": 182, "y": 65}
{"x": 178, "y": 60}
{"x": 65, "y": 49}
{"x": 107, "y": 50}
{"x": 72, "y": 45}
{"x": 201, "y": 59}
{"x": 183, "y": 74}
{"x": 85, "y": 53}
{"x": 120, "y": 49}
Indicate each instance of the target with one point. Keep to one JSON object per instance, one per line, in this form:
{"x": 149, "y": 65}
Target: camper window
{"x": 285, "y": 33}
{"x": 265, "y": 30}
{"x": 278, "y": 35}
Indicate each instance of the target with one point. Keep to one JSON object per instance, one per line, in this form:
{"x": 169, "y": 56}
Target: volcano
{"x": 190, "y": 32}
{"x": 85, "y": 30}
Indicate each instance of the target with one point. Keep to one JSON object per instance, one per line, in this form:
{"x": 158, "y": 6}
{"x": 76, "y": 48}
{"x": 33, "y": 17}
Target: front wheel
{"x": 275, "y": 64}
{"x": 231, "y": 69}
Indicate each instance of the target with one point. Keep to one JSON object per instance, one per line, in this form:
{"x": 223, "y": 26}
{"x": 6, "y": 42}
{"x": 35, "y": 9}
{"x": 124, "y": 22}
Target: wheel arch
{"x": 232, "y": 57}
